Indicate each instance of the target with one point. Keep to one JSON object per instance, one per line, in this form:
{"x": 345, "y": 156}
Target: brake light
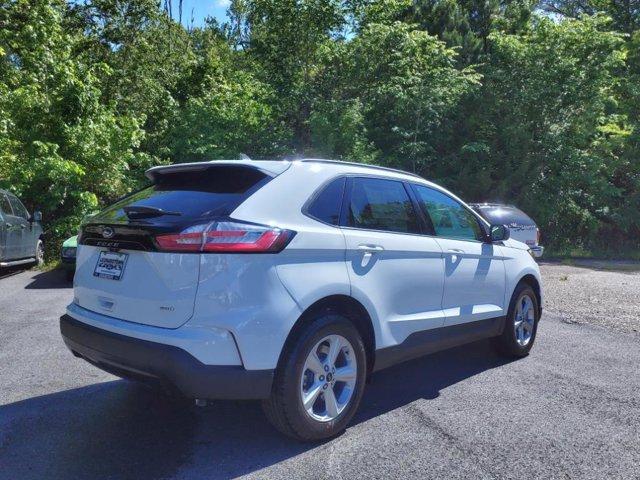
{"x": 183, "y": 242}
{"x": 538, "y": 236}
{"x": 229, "y": 237}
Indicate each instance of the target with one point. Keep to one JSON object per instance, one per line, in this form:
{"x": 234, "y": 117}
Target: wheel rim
{"x": 40, "y": 253}
{"x": 328, "y": 378}
{"x": 524, "y": 320}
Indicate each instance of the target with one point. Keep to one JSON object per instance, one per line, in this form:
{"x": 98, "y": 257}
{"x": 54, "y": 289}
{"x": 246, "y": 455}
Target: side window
{"x": 5, "y": 206}
{"x": 326, "y": 205}
{"x": 18, "y": 208}
{"x": 449, "y": 218}
{"x": 378, "y": 204}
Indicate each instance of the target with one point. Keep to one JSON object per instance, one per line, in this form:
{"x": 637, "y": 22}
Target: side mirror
{"x": 37, "y": 216}
{"x": 499, "y": 233}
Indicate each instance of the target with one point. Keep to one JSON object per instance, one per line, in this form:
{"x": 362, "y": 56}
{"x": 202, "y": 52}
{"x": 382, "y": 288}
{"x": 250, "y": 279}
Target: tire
{"x": 298, "y": 374}
{"x": 518, "y": 335}
{"x": 39, "y": 253}
{"x": 69, "y": 274}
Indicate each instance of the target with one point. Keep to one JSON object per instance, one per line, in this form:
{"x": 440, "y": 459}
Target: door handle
{"x": 454, "y": 252}
{"x": 368, "y": 251}
{"x": 370, "y": 248}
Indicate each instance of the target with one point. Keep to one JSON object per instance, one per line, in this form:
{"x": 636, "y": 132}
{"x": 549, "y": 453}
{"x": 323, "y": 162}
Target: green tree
{"x": 407, "y": 83}
{"x": 540, "y": 132}
{"x": 61, "y": 147}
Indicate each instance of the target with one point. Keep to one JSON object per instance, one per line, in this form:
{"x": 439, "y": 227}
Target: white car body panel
{"x": 413, "y": 300}
{"x": 156, "y": 289}
{"x": 474, "y": 282}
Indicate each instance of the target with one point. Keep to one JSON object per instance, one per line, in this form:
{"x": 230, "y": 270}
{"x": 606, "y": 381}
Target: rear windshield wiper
{"x": 140, "y": 211}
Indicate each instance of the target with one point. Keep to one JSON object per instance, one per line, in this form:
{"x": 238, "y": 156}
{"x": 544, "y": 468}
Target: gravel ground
{"x": 594, "y": 292}
{"x": 569, "y": 410}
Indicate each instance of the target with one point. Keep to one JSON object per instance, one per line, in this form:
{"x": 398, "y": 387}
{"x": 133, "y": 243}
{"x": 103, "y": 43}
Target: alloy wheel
{"x": 524, "y": 320}
{"x": 328, "y": 378}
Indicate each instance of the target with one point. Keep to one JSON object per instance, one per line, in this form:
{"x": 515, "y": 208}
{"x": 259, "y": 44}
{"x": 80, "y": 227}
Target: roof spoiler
{"x": 271, "y": 168}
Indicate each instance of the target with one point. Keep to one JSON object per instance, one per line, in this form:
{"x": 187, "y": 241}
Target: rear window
{"x": 504, "y": 215}
{"x": 213, "y": 192}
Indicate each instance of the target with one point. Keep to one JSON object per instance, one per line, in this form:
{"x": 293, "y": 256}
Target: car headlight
{"x": 69, "y": 252}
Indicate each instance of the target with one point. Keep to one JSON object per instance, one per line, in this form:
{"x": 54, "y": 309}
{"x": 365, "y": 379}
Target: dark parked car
{"x": 521, "y": 225}
{"x": 20, "y": 233}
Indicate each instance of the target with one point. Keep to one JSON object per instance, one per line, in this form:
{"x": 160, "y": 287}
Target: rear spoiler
{"x": 272, "y": 168}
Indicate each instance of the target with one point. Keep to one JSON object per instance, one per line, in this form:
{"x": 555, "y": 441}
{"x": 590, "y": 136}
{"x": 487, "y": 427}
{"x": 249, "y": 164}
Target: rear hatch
{"x": 122, "y": 270}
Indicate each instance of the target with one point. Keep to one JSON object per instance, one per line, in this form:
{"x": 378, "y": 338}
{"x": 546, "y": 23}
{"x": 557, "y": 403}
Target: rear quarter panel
{"x": 311, "y": 267}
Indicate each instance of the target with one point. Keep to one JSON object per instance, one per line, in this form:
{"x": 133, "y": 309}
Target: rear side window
{"x": 213, "y": 192}
{"x": 327, "y": 204}
{"x": 377, "y": 204}
{"x": 449, "y": 218}
{"x": 5, "y": 206}
{"x": 18, "y": 208}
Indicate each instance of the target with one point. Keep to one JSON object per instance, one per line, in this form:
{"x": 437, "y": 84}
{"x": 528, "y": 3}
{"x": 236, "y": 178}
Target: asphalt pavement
{"x": 571, "y": 409}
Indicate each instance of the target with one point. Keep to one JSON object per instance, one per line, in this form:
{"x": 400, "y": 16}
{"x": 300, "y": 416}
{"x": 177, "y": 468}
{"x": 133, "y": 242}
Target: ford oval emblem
{"x": 108, "y": 232}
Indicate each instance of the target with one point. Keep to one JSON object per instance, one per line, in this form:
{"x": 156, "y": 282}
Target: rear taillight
{"x": 229, "y": 237}
{"x": 538, "y": 235}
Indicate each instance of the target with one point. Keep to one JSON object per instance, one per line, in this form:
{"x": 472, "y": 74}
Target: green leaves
{"x": 488, "y": 97}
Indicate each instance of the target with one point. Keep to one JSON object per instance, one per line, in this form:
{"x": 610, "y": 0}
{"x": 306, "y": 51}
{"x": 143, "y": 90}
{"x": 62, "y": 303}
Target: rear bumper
{"x": 162, "y": 364}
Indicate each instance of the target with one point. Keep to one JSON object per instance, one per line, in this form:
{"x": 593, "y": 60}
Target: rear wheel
{"x": 521, "y": 324}
{"x": 319, "y": 383}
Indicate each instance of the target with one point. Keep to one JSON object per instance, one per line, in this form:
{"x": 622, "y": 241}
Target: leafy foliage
{"x": 491, "y": 98}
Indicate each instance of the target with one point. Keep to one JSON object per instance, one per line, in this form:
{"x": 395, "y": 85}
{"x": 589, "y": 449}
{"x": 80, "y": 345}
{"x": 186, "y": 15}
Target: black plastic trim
{"x": 430, "y": 341}
{"x": 166, "y": 365}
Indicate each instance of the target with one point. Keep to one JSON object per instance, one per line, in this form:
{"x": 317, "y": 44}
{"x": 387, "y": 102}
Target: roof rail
{"x": 365, "y": 165}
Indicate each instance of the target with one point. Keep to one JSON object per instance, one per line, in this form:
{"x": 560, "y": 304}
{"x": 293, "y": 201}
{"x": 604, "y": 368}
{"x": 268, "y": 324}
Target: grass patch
{"x": 568, "y": 254}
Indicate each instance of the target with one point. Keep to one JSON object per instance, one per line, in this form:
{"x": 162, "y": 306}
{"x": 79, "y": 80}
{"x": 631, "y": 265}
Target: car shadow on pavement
{"x": 51, "y": 279}
{"x": 120, "y": 429}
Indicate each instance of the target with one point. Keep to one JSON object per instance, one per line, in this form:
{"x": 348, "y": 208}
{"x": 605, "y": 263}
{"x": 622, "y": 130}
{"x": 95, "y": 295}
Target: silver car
{"x": 20, "y": 233}
{"x": 521, "y": 225}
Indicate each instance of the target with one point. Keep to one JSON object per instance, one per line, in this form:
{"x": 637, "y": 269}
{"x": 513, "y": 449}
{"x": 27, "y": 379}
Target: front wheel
{"x": 521, "y": 324}
{"x": 320, "y": 380}
{"x": 39, "y": 253}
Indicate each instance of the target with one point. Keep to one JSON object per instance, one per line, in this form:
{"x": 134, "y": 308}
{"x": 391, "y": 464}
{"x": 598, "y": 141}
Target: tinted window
{"x": 5, "y": 207}
{"x": 449, "y": 217}
{"x": 326, "y": 205}
{"x": 504, "y": 215}
{"x": 381, "y": 205}
{"x": 18, "y": 208}
{"x": 216, "y": 191}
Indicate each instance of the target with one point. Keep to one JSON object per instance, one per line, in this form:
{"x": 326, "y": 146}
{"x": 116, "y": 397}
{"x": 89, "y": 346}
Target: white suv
{"x": 291, "y": 282}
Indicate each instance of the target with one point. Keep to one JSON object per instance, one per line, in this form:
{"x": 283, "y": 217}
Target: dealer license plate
{"x": 111, "y": 265}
